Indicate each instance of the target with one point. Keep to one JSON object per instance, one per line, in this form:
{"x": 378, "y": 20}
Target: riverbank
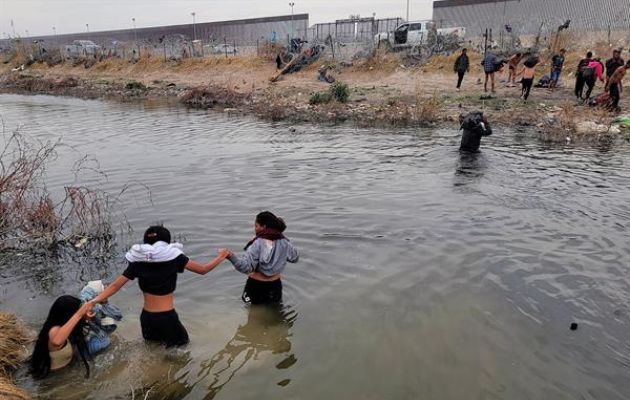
{"x": 384, "y": 92}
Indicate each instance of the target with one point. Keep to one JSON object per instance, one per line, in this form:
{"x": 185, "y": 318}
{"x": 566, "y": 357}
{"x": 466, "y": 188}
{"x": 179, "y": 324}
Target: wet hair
{"x": 60, "y": 312}
{"x": 156, "y": 233}
{"x": 589, "y": 54}
{"x": 518, "y": 54}
{"x": 270, "y": 221}
{"x": 628, "y": 64}
{"x": 464, "y": 50}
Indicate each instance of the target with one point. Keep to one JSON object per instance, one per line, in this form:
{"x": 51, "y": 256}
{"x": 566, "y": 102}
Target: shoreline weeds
{"x": 391, "y": 96}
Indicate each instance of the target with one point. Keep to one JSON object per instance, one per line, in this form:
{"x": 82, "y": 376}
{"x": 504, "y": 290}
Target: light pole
{"x": 87, "y": 27}
{"x": 292, "y": 4}
{"x": 135, "y": 36}
{"x": 194, "y": 28}
{"x": 407, "y": 10}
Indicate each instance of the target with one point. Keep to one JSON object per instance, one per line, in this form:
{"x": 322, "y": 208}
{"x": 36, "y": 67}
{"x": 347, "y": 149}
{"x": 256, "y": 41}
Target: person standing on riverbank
{"x": 462, "y": 65}
{"x": 156, "y": 264}
{"x": 557, "y": 63}
{"x": 613, "y": 63}
{"x": 489, "y": 68}
{"x": 264, "y": 260}
{"x": 615, "y": 87}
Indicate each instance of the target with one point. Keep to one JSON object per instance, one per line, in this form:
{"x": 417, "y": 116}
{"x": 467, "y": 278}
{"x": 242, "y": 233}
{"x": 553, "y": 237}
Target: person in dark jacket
{"x": 612, "y": 64}
{"x": 557, "y": 62}
{"x": 580, "y": 78}
{"x": 462, "y": 65}
{"x": 475, "y": 126}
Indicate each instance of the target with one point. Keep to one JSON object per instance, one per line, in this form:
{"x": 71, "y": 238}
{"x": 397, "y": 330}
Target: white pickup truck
{"x": 80, "y": 48}
{"x": 415, "y": 33}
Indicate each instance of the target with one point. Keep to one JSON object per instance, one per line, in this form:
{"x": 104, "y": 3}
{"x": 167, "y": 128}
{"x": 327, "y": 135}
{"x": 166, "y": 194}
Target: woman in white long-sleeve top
{"x": 264, "y": 260}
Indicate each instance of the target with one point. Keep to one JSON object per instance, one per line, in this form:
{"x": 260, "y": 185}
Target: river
{"x": 423, "y": 274}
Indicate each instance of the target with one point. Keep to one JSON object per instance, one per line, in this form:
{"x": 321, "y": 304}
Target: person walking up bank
{"x": 615, "y": 87}
{"x": 462, "y": 65}
{"x": 580, "y": 75}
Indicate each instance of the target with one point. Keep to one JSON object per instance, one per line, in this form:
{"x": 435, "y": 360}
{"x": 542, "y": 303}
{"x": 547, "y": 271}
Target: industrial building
{"x": 529, "y": 17}
{"x": 244, "y": 31}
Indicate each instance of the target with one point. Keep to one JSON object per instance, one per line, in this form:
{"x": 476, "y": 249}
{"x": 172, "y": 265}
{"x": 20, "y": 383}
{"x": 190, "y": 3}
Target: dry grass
{"x": 381, "y": 60}
{"x": 13, "y": 341}
{"x": 8, "y": 391}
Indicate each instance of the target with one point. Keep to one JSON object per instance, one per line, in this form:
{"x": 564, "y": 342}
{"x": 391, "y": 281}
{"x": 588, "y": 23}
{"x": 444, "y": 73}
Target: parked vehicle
{"x": 80, "y": 48}
{"x": 224, "y": 48}
{"x": 411, "y": 34}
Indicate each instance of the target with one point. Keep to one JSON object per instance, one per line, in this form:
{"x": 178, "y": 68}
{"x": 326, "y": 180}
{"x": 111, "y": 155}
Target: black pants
{"x": 580, "y": 80}
{"x": 527, "y": 87}
{"x": 590, "y": 84}
{"x": 615, "y": 96}
{"x": 260, "y": 292}
{"x": 163, "y": 327}
{"x": 460, "y": 78}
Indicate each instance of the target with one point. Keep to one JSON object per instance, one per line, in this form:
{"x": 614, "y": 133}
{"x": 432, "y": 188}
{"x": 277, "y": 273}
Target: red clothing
{"x": 599, "y": 69}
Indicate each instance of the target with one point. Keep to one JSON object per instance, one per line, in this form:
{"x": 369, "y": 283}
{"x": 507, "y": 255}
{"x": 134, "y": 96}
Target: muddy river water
{"x": 423, "y": 274}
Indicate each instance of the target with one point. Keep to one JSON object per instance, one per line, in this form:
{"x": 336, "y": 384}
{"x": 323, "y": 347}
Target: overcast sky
{"x": 39, "y": 16}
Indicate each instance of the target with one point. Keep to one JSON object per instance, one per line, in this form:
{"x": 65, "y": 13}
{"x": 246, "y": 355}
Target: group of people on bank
{"x": 588, "y": 71}
{"x": 156, "y": 263}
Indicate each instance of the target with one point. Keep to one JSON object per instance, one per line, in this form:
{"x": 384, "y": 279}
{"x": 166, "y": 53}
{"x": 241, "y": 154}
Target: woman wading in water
{"x": 61, "y": 336}
{"x": 264, "y": 260}
{"x": 156, "y": 264}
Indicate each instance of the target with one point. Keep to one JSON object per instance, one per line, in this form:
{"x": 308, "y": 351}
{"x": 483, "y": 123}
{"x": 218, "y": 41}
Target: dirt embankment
{"x": 383, "y": 90}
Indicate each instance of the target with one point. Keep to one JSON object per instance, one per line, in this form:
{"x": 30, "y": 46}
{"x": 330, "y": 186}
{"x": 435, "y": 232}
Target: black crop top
{"x": 157, "y": 278}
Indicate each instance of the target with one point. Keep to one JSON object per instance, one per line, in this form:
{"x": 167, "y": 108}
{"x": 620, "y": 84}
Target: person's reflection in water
{"x": 268, "y": 329}
{"x": 470, "y": 168}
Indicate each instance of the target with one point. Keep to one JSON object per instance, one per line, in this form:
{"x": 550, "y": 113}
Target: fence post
{"x": 225, "y": 46}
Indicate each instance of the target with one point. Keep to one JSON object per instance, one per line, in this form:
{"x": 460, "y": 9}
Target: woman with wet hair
{"x": 264, "y": 260}
{"x": 61, "y": 337}
{"x": 156, "y": 264}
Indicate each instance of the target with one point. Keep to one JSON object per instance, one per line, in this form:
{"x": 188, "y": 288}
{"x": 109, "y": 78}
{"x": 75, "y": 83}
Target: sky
{"x": 68, "y": 16}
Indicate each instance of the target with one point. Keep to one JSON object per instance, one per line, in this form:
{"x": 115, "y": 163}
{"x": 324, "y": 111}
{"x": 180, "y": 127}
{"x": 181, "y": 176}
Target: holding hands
{"x": 225, "y": 253}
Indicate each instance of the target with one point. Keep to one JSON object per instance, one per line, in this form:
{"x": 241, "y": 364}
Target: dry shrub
{"x": 13, "y": 341}
{"x": 269, "y": 50}
{"x": 380, "y": 60}
{"x": 29, "y": 217}
{"x": 8, "y": 391}
{"x": 212, "y": 96}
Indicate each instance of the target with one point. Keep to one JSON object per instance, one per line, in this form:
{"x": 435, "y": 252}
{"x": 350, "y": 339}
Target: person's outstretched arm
{"x": 58, "y": 335}
{"x": 203, "y": 269}
{"x": 109, "y": 291}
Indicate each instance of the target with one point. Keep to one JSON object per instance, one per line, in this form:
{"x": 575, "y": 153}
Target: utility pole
{"x": 292, "y": 4}
{"x": 194, "y": 28}
{"x": 135, "y": 36}
{"x": 407, "y": 10}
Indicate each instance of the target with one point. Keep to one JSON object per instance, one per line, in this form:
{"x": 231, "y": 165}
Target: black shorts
{"x": 260, "y": 292}
{"x": 163, "y": 327}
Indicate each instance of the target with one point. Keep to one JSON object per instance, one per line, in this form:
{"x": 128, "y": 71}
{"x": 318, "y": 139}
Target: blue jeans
{"x": 555, "y": 75}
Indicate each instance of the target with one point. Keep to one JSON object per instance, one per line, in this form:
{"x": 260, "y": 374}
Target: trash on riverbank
{"x": 213, "y": 96}
{"x": 13, "y": 341}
